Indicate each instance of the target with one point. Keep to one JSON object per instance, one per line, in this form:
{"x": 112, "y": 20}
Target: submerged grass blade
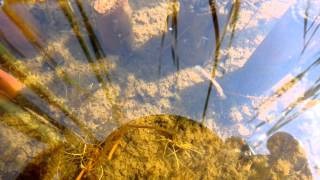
{"x": 99, "y": 53}
{"x": 67, "y": 10}
{"x": 306, "y": 101}
{"x": 29, "y": 31}
{"x": 28, "y": 124}
{"x": 161, "y": 52}
{"x": 313, "y": 22}
{"x": 103, "y": 78}
{"x": 215, "y": 20}
{"x": 231, "y": 21}
{"x": 10, "y": 46}
{"x": 309, "y": 40}
{"x": 235, "y": 16}
{"x": 13, "y": 66}
{"x": 305, "y": 22}
{"x": 285, "y": 118}
{"x": 172, "y": 25}
{"x": 174, "y": 32}
{"x": 32, "y": 35}
{"x": 285, "y": 88}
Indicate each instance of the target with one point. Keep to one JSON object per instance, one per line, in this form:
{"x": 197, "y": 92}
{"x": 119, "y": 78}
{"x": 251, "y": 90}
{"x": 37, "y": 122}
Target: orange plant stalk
{"x": 9, "y": 85}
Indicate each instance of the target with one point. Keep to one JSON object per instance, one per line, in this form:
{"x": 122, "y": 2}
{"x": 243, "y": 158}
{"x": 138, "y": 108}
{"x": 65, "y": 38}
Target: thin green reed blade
{"x": 234, "y": 19}
{"x": 98, "y": 50}
{"x": 68, "y": 12}
{"x": 174, "y": 32}
{"x": 12, "y": 65}
{"x": 285, "y": 88}
{"x": 311, "y": 94}
{"x": 101, "y": 73}
{"x": 215, "y": 21}
{"x": 231, "y": 21}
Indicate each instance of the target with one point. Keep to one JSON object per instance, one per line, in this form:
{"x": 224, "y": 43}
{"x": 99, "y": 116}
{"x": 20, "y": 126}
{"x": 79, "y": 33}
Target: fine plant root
{"x": 113, "y": 149}
{"x": 89, "y": 158}
{"x": 176, "y": 146}
{"x": 102, "y": 173}
{"x": 181, "y": 145}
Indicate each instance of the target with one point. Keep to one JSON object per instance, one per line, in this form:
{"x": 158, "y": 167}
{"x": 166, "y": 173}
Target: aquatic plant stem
{"x": 24, "y": 75}
{"x": 16, "y": 115}
{"x": 32, "y": 35}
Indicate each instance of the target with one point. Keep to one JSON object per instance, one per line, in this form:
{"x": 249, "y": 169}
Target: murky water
{"x": 72, "y": 72}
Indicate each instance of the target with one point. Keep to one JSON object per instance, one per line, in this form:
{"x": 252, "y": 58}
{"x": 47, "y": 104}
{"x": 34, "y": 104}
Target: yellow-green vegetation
{"x": 173, "y": 147}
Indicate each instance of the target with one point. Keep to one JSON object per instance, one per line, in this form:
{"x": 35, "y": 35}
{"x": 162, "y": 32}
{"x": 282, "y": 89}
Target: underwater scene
{"x": 159, "y": 89}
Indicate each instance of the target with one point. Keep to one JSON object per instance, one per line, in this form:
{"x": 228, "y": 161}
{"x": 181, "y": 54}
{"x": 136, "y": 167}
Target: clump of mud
{"x": 198, "y": 153}
{"x": 148, "y": 153}
{"x": 166, "y": 146}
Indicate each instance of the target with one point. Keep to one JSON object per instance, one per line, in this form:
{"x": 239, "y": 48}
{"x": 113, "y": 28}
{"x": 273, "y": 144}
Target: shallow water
{"x": 243, "y": 68}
